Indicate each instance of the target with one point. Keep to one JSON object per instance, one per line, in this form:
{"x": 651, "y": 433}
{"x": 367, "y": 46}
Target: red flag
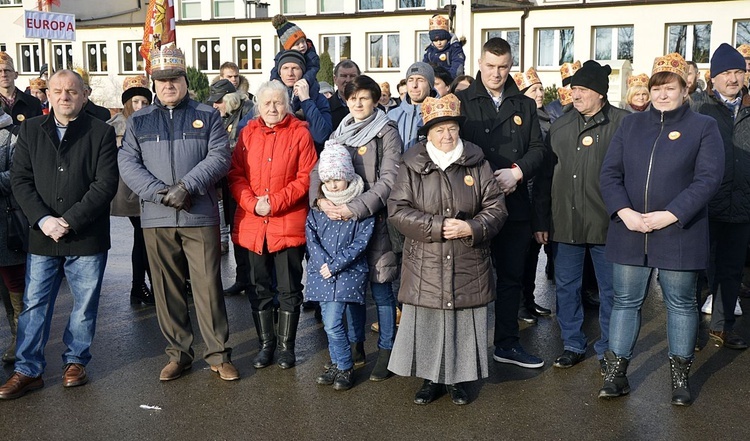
{"x": 159, "y": 28}
{"x": 44, "y": 5}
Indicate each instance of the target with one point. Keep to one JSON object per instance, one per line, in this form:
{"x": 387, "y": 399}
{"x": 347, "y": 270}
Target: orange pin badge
{"x": 469, "y": 180}
{"x": 517, "y": 119}
{"x": 362, "y": 150}
{"x": 20, "y": 118}
{"x": 674, "y": 135}
{"x": 197, "y": 124}
{"x": 587, "y": 141}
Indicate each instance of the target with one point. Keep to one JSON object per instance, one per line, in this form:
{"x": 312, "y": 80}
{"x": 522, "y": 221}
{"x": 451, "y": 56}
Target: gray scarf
{"x": 355, "y": 188}
{"x": 358, "y": 133}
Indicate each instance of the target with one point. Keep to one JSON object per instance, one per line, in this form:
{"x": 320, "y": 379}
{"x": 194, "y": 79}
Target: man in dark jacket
{"x": 344, "y": 72}
{"x": 173, "y": 154}
{"x": 574, "y": 216}
{"x": 64, "y": 176}
{"x": 504, "y": 123}
{"x": 20, "y": 106}
{"x": 729, "y": 210}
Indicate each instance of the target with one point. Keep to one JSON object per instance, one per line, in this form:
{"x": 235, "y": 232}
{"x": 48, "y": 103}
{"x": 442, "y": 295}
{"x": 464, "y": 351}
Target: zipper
{"x": 172, "y": 159}
{"x": 648, "y": 178}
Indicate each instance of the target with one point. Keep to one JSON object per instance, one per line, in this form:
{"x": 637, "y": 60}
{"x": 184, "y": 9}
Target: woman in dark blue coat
{"x": 661, "y": 169}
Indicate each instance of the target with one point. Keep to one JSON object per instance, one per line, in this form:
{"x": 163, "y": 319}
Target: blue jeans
{"x": 631, "y": 286}
{"x": 385, "y": 301}
{"x": 338, "y": 342}
{"x": 568, "y": 280}
{"x": 43, "y": 277}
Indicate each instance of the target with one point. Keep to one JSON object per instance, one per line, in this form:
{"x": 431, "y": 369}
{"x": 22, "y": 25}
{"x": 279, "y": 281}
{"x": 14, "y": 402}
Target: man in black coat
{"x": 344, "y": 72}
{"x": 504, "y": 123}
{"x": 20, "y": 106}
{"x": 64, "y": 176}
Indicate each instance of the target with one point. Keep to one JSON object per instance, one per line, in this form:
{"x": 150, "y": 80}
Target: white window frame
{"x": 212, "y": 65}
{"x": 135, "y": 54}
{"x": 215, "y": 10}
{"x": 737, "y": 40}
{"x": 254, "y": 63}
{"x": 555, "y": 47}
{"x": 66, "y": 54}
{"x": 614, "y": 47}
{"x": 360, "y": 8}
{"x": 515, "y": 47}
{"x": 285, "y": 7}
{"x": 337, "y": 46}
{"x": 102, "y": 63}
{"x": 420, "y": 38}
{"x": 384, "y": 39}
{"x": 424, "y": 4}
{"x": 34, "y": 59}
{"x": 183, "y": 3}
{"x": 322, "y": 9}
{"x": 689, "y": 41}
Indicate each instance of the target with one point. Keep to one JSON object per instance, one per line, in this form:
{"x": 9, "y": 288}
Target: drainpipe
{"x": 522, "y": 40}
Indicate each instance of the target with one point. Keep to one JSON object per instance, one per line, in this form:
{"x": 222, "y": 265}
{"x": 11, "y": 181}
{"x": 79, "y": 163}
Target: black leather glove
{"x": 176, "y": 197}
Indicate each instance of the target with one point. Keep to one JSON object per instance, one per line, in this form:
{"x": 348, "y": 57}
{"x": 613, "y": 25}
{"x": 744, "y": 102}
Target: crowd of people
{"x": 437, "y": 202}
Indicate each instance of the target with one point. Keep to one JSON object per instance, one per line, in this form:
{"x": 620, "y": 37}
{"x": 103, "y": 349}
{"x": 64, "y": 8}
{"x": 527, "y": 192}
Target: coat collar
{"x": 74, "y": 127}
{"x": 669, "y": 116}
{"x": 419, "y": 160}
{"x": 477, "y": 90}
{"x": 181, "y": 104}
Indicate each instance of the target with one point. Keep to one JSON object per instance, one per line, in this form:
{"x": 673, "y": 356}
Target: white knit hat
{"x": 335, "y": 162}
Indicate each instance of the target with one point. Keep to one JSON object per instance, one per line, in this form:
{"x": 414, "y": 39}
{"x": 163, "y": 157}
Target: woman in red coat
{"x": 269, "y": 179}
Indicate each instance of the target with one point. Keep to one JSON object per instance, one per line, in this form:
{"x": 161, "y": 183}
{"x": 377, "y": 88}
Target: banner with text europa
{"x": 50, "y": 25}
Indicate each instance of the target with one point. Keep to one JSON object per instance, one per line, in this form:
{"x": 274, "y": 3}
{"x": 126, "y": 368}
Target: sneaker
{"x": 708, "y": 305}
{"x": 327, "y": 377}
{"x": 737, "y": 308}
{"x": 568, "y": 359}
{"x": 525, "y": 315}
{"x": 517, "y": 356}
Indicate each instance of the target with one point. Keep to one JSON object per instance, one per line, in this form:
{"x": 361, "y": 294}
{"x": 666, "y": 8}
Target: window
{"x": 331, "y": 5}
{"x": 741, "y": 32}
{"x": 423, "y": 40}
{"x": 383, "y": 51}
{"x": 10, "y": 2}
{"x": 191, "y": 9}
{"x": 96, "y": 55}
{"x": 62, "y": 56}
{"x": 248, "y": 55}
{"x": 366, "y": 5}
{"x": 512, "y": 36}
{"x": 223, "y": 8}
{"x": 692, "y": 41}
{"x": 30, "y": 60}
{"x": 293, "y": 6}
{"x": 410, "y": 4}
{"x": 208, "y": 55}
{"x": 131, "y": 58}
{"x": 613, "y": 43}
{"x": 339, "y": 47}
{"x": 555, "y": 47}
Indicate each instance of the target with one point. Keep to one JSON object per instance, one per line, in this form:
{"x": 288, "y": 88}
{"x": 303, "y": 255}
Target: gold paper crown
{"x": 6, "y": 59}
{"x": 135, "y": 81}
{"x": 673, "y": 63}
{"x": 744, "y": 49}
{"x": 84, "y": 74}
{"x": 38, "y": 83}
{"x": 568, "y": 69}
{"x": 168, "y": 58}
{"x": 528, "y": 79}
{"x": 439, "y": 22}
{"x": 446, "y": 106}
{"x": 385, "y": 88}
{"x": 565, "y": 95}
{"x": 640, "y": 80}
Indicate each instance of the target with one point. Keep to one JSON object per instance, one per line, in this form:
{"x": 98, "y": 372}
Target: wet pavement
{"x": 513, "y": 403}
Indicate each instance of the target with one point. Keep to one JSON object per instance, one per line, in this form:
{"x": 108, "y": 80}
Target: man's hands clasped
{"x": 176, "y": 196}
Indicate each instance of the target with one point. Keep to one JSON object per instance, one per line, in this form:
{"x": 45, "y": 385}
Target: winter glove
{"x": 176, "y": 197}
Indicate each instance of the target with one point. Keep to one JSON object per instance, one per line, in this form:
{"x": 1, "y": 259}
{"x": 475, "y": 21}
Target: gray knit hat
{"x": 335, "y": 162}
{"x": 423, "y": 69}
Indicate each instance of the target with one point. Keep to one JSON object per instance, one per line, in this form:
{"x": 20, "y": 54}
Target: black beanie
{"x": 290, "y": 56}
{"x": 594, "y": 76}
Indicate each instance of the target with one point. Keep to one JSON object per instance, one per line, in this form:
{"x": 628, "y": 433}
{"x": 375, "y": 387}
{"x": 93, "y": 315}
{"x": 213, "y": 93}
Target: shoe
{"x": 602, "y": 367}
{"x": 343, "y": 380}
{"x": 328, "y": 376}
{"x": 679, "y": 368}
{"x": 727, "y": 339}
{"x": 457, "y": 393}
{"x": 224, "y": 248}
{"x": 375, "y": 327}
{"x": 287, "y": 334}
{"x": 266, "y": 337}
{"x": 517, "y": 356}
{"x": 74, "y": 375}
{"x": 226, "y": 371}
{"x": 427, "y": 393}
{"x": 615, "y": 381}
{"x": 707, "y": 307}
{"x": 540, "y": 310}
{"x": 358, "y": 353}
{"x": 19, "y": 385}
{"x": 568, "y": 359}
{"x": 142, "y": 295}
{"x": 173, "y": 370}
{"x": 236, "y": 289}
{"x": 380, "y": 372}
{"x": 738, "y": 308}
{"x": 525, "y": 315}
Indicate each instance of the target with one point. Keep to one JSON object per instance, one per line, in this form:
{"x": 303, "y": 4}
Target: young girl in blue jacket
{"x": 337, "y": 269}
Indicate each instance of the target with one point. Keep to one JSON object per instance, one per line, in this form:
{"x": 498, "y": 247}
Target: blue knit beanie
{"x": 726, "y": 58}
{"x": 439, "y": 34}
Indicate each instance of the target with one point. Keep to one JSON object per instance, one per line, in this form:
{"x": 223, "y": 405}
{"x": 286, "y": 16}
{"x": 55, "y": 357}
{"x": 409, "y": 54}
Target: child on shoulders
{"x": 445, "y": 50}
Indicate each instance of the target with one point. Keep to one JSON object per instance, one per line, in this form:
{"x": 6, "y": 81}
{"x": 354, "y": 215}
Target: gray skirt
{"x": 444, "y": 346}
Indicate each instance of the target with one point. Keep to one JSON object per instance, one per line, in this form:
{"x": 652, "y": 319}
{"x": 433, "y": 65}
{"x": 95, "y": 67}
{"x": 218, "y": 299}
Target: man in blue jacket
{"x": 420, "y": 79}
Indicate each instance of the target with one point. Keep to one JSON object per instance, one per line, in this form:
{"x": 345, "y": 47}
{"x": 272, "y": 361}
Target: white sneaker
{"x": 708, "y": 306}
{"x": 737, "y": 308}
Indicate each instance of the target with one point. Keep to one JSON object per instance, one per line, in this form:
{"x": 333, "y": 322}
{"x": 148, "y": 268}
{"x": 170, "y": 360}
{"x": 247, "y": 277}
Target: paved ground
{"x": 513, "y": 403}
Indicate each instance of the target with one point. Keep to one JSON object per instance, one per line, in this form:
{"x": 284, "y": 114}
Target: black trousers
{"x": 240, "y": 254}
{"x": 288, "y": 266}
{"x": 509, "y": 249}
{"x": 728, "y": 251}
{"x": 138, "y": 257}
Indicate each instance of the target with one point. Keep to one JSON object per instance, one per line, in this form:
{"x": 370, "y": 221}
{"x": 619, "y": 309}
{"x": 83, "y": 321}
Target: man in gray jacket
{"x": 172, "y": 156}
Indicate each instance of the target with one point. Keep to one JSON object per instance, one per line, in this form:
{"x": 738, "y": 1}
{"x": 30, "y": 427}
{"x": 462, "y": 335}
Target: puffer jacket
{"x": 452, "y": 57}
{"x": 164, "y": 146}
{"x": 341, "y": 245}
{"x": 408, "y": 118}
{"x": 273, "y": 162}
{"x": 379, "y": 174}
{"x": 732, "y": 201}
{"x": 435, "y": 272}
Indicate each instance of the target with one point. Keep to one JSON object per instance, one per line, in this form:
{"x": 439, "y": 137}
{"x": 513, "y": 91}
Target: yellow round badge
{"x": 517, "y": 119}
{"x": 229, "y": 128}
{"x": 443, "y": 57}
{"x": 362, "y": 150}
{"x": 197, "y": 124}
{"x": 469, "y": 180}
{"x": 587, "y": 141}
{"x": 20, "y": 118}
{"x": 674, "y": 135}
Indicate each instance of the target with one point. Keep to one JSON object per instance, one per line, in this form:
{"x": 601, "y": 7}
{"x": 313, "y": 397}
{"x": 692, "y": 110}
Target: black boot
{"x": 615, "y": 381}
{"x": 680, "y": 367}
{"x": 236, "y": 289}
{"x": 140, "y": 293}
{"x": 288, "y": 322}
{"x": 266, "y": 338}
{"x": 358, "y": 353}
{"x": 381, "y": 372}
